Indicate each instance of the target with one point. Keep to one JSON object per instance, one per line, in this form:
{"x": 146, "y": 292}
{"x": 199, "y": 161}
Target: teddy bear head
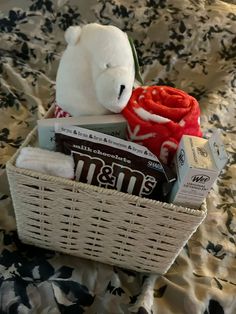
{"x": 96, "y": 71}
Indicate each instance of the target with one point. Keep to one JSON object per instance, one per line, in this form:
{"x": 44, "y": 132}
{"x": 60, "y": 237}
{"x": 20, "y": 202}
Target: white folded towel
{"x": 42, "y": 160}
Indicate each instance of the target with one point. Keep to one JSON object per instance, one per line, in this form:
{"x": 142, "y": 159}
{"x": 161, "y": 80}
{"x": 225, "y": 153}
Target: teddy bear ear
{"x": 72, "y": 35}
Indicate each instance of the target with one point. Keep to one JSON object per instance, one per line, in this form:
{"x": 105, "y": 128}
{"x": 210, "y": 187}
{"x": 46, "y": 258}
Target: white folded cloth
{"x": 45, "y": 161}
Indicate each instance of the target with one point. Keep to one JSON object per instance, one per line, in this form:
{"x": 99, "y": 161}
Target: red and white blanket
{"x": 60, "y": 113}
{"x": 158, "y": 116}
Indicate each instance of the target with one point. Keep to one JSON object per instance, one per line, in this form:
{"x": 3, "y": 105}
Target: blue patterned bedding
{"x": 188, "y": 44}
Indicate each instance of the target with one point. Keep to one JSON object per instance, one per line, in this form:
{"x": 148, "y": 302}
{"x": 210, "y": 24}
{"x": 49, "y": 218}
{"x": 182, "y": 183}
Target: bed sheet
{"x": 188, "y": 44}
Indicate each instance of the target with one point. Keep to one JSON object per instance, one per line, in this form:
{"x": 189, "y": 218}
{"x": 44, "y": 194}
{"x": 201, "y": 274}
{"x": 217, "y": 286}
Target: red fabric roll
{"x": 158, "y": 116}
{"x": 59, "y": 113}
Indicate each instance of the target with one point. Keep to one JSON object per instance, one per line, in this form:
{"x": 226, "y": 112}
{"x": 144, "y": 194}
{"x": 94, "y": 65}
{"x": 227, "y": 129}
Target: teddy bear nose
{"x": 122, "y": 87}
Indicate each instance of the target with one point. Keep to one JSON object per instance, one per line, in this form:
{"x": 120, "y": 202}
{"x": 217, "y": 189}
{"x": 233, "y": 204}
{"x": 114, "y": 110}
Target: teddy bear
{"x": 96, "y": 72}
{"x": 95, "y": 77}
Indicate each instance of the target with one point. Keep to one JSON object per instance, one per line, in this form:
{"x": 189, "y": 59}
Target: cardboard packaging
{"x": 113, "y": 163}
{"x": 112, "y": 124}
{"x": 198, "y": 163}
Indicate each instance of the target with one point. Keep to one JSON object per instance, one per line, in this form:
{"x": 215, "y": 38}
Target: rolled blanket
{"x": 44, "y": 161}
{"x": 158, "y": 116}
{"x": 59, "y": 113}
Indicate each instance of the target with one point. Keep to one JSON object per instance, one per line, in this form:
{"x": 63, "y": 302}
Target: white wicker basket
{"x": 96, "y": 223}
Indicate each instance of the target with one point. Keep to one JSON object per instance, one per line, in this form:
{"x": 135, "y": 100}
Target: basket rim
{"x": 10, "y": 166}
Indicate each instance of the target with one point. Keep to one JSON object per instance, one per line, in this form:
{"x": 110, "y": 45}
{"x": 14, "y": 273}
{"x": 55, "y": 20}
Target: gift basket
{"x": 96, "y": 222}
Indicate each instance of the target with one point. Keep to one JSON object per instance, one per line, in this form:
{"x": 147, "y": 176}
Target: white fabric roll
{"x": 44, "y": 161}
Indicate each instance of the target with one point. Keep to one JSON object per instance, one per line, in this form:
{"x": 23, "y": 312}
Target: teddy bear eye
{"x": 108, "y": 65}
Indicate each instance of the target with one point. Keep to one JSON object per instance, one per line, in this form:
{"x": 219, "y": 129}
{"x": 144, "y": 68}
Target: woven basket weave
{"x": 96, "y": 223}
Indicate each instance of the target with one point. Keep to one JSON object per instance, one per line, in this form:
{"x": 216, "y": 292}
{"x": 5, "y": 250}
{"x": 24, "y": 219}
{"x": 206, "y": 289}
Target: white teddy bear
{"x": 96, "y": 72}
{"x": 95, "y": 77}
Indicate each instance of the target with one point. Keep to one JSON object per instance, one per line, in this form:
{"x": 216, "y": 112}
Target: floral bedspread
{"x": 189, "y": 44}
